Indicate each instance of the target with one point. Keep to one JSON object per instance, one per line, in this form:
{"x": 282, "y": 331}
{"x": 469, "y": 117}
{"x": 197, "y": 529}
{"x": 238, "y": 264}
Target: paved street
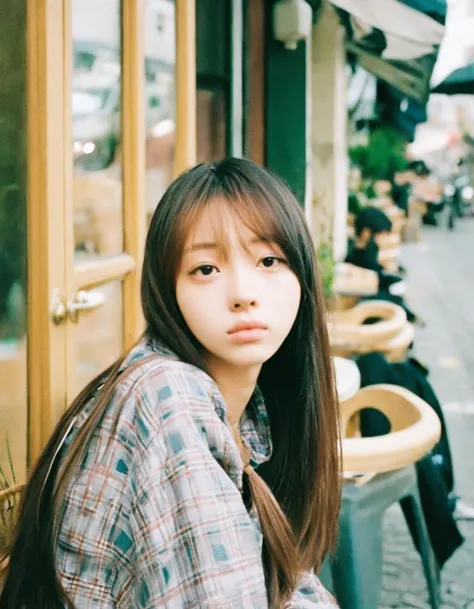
{"x": 441, "y": 289}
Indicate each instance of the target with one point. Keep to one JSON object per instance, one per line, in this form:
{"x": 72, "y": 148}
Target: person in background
{"x": 401, "y": 189}
{"x": 427, "y": 188}
{"x": 202, "y": 468}
{"x": 371, "y": 226}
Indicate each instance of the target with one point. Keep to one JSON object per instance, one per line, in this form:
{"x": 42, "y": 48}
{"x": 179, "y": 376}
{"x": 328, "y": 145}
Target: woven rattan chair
{"x": 9, "y": 504}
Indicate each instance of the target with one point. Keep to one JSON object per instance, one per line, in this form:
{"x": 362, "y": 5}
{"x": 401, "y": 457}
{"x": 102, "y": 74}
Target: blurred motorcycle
{"x": 458, "y": 197}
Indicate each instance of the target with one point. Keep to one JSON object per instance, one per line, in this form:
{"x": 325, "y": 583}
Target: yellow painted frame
{"x": 46, "y": 226}
{"x": 186, "y": 152}
{"x": 134, "y": 212}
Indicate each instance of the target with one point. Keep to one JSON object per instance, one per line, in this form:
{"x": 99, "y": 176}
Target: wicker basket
{"x": 9, "y": 504}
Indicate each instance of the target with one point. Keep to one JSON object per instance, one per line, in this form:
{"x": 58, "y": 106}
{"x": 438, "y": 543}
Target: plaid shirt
{"x": 155, "y": 516}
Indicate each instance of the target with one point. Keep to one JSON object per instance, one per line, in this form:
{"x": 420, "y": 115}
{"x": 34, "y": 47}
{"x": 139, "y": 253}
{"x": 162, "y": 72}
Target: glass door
{"x": 87, "y": 196}
{"x": 122, "y": 79}
{"x": 105, "y": 185}
{"x": 97, "y": 114}
{"x": 96, "y": 303}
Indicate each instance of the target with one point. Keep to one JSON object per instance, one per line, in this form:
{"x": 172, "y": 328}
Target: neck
{"x": 361, "y": 242}
{"x": 237, "y": 384}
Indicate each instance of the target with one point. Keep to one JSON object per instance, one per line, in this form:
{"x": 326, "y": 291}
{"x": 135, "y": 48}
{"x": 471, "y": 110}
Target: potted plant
{"x": 382, "y": 157}
{"x": 326, "y": 270}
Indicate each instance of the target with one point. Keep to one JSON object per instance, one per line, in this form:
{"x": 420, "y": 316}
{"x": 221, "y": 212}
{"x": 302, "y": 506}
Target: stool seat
{"x": 356, "y": 571}
{"x": 348, "y": 330}
{"x": 351, "y": 280}
{"x": 415, "y": 429}
{"x": 391, "y": 336}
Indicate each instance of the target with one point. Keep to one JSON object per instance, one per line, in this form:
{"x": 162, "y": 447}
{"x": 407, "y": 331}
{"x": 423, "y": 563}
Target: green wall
{"x": 286, "y": 113}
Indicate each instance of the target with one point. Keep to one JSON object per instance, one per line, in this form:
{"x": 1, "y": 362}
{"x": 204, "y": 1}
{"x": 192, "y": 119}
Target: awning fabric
{"x": 396, "y": 40}
{"x": 436, "y": 9}
{"x": 459, "y": 82}
{"x": 402, "y": 113}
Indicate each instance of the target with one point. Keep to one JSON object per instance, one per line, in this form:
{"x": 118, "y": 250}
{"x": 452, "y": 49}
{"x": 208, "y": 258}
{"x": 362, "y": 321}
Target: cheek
{"x": 194, "y": 307}
{"x": 295, "y": 291}
{"x": 287, "y": 299}
{"x": 184, "y": 300}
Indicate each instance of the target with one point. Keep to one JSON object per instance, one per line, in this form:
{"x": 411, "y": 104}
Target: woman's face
{"x": 240, "y": 301}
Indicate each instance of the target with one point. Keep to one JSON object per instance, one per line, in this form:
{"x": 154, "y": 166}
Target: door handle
{"x": 83, "y": 301}
{"x": 80, "y": 302}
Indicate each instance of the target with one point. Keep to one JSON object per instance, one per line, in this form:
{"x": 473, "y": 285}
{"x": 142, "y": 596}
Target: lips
{"x": 243, "y": 326}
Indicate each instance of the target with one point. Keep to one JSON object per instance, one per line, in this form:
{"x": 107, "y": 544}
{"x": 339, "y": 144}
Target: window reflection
{"x": 211, "y": 124}
{"x": 96, "y": 127}
{"x": 13, "y": 245}
{"x": 160, "y": 62}
{"x": 213, "y": 78}
{"x": 99, "y": 340}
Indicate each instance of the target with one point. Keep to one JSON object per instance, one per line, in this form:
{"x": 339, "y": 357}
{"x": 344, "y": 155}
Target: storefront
{"x": 98, "y": 112}
{"x": 102, "y": 103}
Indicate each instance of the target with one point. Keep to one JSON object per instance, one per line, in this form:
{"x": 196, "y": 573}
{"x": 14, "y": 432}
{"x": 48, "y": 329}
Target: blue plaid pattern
{"x": 155, "y": 516}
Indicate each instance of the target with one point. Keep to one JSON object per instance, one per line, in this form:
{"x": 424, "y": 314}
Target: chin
{"x": 249, "y": 355}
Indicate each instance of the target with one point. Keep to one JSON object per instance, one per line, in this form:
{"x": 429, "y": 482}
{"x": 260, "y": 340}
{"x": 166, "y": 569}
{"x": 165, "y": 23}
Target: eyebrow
{"x": 212, "y": 245}
{"x": 209, "y": 245}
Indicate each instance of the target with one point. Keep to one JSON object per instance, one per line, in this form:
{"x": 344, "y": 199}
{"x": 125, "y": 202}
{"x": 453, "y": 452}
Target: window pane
{"x": 159, "y": 98}
{"x": 211, "y": 124}
{"x": 213, "y": 78}
{"x": 13, "y": 253}
{"x": 96, "y": 126}
{"x": 99, "y": 336}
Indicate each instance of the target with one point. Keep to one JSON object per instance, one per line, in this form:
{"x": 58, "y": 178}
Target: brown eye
{"x": 205, "y": 270}
{"x": 271, "y": 261}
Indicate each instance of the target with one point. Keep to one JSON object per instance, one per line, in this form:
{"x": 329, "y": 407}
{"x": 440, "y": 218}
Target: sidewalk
{"x": 441, "y": 290}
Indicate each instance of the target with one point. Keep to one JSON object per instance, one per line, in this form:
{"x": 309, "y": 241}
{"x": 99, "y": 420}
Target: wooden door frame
{"x": 50, "y": 209}
{"x": 45, "y": 217}
{"x": 185, "y": 20}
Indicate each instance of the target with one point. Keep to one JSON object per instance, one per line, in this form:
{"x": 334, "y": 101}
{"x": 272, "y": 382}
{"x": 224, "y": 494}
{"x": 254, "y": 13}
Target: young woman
{"x": 200, "y": 470}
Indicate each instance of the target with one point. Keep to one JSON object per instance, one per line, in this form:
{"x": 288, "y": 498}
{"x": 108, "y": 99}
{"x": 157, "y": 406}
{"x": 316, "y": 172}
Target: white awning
{"x": 409, "y": 33}
{"x": 395, "y": 42}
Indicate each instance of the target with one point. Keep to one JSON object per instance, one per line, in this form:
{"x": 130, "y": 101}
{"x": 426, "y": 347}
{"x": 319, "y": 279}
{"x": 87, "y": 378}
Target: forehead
{"x": 219, "y": 223}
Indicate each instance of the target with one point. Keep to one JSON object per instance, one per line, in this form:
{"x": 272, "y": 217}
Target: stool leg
{"x": 357, "y": 565}
{"x": 430, "y": 565}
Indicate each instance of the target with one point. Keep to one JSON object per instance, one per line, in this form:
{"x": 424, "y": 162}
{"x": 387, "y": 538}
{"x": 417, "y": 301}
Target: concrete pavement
{"x": 441, "y": 290}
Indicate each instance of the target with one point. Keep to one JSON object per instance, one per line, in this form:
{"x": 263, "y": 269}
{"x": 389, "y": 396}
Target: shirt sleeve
{"x": 195, "y": 544}
{"x": 311, "y": 594}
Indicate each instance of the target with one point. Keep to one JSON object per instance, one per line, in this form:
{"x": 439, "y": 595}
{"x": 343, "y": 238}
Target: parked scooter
{"x": 450, "y": 201}
{"x": 459, "y": 198}
{"x": 465, "y": 194}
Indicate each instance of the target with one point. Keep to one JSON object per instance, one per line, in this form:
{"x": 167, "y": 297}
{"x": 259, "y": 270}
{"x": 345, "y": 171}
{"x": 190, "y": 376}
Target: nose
{"x": 242, "y": 292}
{"x": 243, "y": 304}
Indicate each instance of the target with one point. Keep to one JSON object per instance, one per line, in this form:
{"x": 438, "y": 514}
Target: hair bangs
{"x": 225, "y": 199}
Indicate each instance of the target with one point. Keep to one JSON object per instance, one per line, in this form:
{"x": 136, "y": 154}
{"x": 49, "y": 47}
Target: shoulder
{"x": 167, "y": 377}
{"x": 169, "y": 398}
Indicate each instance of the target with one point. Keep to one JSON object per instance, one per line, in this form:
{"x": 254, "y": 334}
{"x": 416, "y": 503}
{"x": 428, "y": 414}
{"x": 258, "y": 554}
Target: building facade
{"x": 102, "y": 103}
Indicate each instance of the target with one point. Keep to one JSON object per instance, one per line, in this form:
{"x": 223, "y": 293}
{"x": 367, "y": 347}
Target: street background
{"x": 441, "y": 278}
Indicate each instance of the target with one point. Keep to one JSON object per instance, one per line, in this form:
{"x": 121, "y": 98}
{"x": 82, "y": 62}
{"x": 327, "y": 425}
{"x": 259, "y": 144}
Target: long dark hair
{"x": 297, "y": 492}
